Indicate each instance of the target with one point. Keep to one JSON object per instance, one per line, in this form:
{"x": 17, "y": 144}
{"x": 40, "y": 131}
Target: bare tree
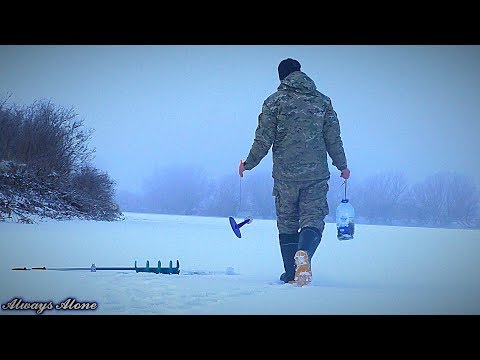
{"x": 49, "y": 144}
{"x": 10, "y": 122}
{"x": 45, "y": 137}
{"x": 380, "y": 197}
{"x": 93, "y": 191}
{"x": 55, "y": 139}
{"x": 446, "y": 198}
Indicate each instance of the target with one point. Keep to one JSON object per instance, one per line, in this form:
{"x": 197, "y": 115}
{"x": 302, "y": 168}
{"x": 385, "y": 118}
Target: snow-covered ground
{"x": 383, "y": 270}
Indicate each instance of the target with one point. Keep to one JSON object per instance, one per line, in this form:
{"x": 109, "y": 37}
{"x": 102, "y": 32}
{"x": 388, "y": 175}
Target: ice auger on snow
{"x": 157, "y": 269}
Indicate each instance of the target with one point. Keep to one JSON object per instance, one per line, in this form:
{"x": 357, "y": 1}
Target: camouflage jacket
{"x": 300, "y": 123}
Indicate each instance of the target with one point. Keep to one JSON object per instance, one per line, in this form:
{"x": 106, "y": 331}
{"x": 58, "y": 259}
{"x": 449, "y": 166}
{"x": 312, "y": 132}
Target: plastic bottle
{"x": 345, "y": 215}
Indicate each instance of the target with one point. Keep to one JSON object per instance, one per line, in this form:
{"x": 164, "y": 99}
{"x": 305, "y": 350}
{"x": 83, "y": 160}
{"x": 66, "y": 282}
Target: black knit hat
{"x": 286, "y": 67}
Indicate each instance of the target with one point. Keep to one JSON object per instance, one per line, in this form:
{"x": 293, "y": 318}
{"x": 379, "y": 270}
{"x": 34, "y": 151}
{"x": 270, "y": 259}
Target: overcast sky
{"x": 409, "y": 108}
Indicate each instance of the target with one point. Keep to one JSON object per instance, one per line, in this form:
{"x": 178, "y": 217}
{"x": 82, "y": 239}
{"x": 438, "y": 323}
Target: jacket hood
{"x": 298, "y": 81}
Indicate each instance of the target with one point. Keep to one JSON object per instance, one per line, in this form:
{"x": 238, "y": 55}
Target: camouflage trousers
{"x": 299, "y": 204}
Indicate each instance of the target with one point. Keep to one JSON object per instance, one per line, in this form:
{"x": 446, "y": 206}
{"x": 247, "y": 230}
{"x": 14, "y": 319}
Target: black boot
{"x": 309, "y": 239}
{"x": 288, "y": 248}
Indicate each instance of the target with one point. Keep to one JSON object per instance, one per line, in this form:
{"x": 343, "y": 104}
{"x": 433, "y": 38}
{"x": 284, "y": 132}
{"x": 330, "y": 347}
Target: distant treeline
{"x": 45, "y": 166}
{"x": 444, "y": 199}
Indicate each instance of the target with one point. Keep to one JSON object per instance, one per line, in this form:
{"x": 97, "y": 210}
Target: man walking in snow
{"x": 301, "y": 126}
